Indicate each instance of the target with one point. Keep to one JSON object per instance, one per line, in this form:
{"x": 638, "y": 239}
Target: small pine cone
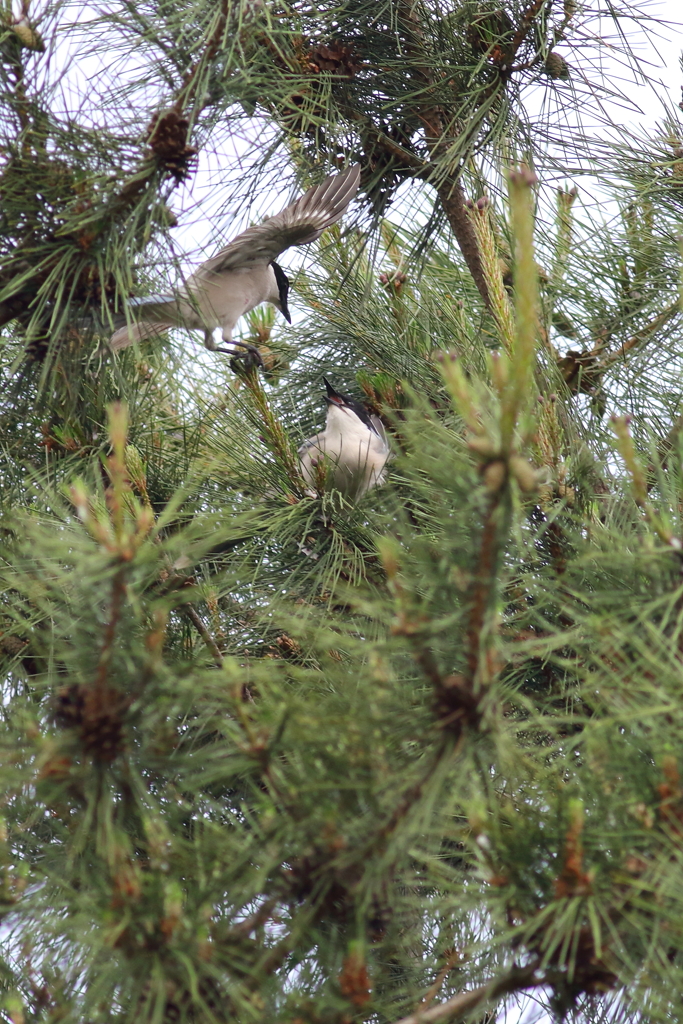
{"x": 167, "y": 139}
{"x": 556, "y": 66}
{"x": 337, "y": 58}
{"x": 13, "y": 646}
{"x": 288, "y": 647}
{"x": 97, "y": 714}
{"x": 28, "y": 35}
{"x": 379, "y": 919}
{"x": 69, "y": 706}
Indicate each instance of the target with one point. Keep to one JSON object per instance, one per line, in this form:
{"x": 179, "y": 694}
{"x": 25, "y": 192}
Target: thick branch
{"x": 449, "y": 191}
{"x": 452, "y": 199}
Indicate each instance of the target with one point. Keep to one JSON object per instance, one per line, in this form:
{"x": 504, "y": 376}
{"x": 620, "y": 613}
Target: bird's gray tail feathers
{"x": 160, "y": 299}
{"x": 135, "y": 332}
{"x": 157, "y": 308}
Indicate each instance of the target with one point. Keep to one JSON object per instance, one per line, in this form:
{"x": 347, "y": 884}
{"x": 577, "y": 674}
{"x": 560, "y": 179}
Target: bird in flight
{"x": 243, "y": 274}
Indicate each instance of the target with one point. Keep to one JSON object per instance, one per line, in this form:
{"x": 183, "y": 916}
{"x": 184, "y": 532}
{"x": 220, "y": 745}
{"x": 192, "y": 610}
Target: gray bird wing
{"x": 298, "y": 224}
{"x": 311, "y": 442}
{"x": 379, "y": 427}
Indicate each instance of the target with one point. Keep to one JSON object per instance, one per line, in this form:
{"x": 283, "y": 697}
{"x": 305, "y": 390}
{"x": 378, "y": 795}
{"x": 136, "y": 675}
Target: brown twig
{"x": 243, "y": 929}
{"x": 413, "y": 794}
{"x": 204, "y": 633}
{"x": 452, "y": 958}
{"x": 517, "y": 979}
{"x": 118, "y": 589}
{"x": 525, "y": 24}
{"x": 642, "y": 335}
{"x": 482, "y": 587}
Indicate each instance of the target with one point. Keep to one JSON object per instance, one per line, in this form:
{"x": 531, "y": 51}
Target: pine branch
{"x": 452, "y": 199}
{"x": 636, "y": 339}
{"x": 449, "y": 190}
{"x": 525, "y": 25}
{"x": 518, "y": 979}
{"x": 118, "y": 590}
{"x": 167, "y": 157}
{"x": 483, "y": 588}
{"x": 277, "y": 437}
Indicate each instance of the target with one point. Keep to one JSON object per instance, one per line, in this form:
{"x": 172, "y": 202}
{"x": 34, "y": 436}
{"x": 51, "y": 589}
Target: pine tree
{"x": 271, "y": 754}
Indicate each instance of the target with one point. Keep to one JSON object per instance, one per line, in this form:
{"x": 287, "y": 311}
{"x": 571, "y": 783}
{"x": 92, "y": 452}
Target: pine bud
{"x": 524, "y": 474}
{"x": 482, "y": 446}
{"x": 27, "y": 35}
{"x": 523, "y": 175}
{"x": 495, "y": 475}
{"x": 389, "y": 553}
{"x": 80, "y": 499}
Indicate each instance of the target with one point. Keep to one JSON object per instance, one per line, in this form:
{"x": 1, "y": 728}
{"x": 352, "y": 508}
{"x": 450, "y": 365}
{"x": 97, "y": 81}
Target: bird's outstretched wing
{"x": 298, "y": 224}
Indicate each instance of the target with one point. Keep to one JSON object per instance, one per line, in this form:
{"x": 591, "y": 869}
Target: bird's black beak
{"x": 332, "y": 397}
{"x": 283, "y": 289}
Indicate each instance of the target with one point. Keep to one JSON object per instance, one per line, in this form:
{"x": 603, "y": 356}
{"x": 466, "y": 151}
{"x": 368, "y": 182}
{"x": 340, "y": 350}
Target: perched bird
{"x": 244, "y": 273}
{"x": 353, "y": 445}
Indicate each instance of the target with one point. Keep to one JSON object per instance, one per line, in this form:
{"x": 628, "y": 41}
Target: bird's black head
{"x": 344, "y": 402}
{"x": 283, "y": 288}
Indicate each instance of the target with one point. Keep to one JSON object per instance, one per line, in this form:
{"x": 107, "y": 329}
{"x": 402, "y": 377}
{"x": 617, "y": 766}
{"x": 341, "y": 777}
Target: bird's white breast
{"x": 356, "y": 455}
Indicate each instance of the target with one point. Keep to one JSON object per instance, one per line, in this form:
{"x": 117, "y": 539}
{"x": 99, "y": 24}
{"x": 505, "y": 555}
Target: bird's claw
{"x": 248, "y": 360}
